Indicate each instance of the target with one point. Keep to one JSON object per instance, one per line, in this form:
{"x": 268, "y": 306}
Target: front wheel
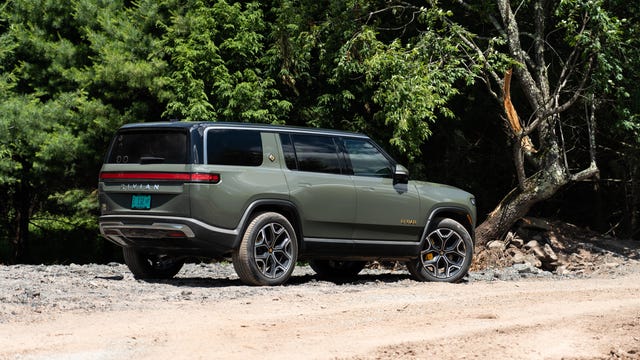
{"x": 446, "y": 255}
{"x": 150, "y": 266}
{"x": 268, "y": 251}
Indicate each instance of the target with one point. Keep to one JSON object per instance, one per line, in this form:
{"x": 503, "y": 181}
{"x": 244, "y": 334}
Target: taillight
{"x": 209, "y": 178}
{"x": 160, "y": 176}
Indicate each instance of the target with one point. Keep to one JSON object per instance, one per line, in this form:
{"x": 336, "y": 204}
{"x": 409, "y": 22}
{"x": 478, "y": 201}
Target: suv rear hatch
{"x": 145, "y": 179}
{"x": 145, "y": 171}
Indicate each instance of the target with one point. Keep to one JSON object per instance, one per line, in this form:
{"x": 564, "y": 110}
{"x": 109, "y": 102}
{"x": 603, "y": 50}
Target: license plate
{"x": 141, "y": 202}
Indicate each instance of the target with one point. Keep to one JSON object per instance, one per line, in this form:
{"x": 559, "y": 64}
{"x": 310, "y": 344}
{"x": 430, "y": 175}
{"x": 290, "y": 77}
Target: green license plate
{"x": 141, "y": 202}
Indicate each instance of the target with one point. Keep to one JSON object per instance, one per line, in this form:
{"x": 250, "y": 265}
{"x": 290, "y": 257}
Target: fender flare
{"x": 458, "y": 210}
{"x": 292, "y": 215}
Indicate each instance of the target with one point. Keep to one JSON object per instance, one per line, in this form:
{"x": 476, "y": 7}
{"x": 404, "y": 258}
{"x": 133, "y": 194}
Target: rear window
{"x": 234, "y": 147}
{"x": 149, "y": 147}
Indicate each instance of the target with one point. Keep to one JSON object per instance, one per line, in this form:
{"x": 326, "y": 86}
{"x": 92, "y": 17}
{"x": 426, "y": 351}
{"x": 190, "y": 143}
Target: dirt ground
{"x": 98, "y": 315}
{"x": 586, "y": 307}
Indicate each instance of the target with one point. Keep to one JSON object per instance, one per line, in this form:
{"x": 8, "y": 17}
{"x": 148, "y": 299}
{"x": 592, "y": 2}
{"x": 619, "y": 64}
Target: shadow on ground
{"x": 211, "y": 282}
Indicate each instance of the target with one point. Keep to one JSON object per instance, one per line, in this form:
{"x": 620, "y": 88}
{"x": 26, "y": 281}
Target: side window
{"x": 316, "y": 153}
{"x": 289, "y": 152}
{"x": 366, "y": 159}
{"x": 234, "y": 147}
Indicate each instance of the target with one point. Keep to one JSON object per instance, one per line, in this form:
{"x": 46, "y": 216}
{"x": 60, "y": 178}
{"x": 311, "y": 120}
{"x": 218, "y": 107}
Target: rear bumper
{"x": 176, "y": 235}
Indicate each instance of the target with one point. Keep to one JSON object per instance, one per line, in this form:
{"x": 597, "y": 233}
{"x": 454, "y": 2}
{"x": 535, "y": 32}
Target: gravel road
{"x": 102, "y": 312}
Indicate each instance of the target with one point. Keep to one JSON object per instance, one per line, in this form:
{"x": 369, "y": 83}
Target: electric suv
{"x": 269, "y": 196}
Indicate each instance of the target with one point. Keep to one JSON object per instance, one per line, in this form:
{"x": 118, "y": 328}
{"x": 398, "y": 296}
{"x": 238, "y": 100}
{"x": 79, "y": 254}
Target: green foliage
{"x": 216, "y": 70}
{"x": 71, "y": 72}
{"x": 411, "y": 83}
{"x": 612, "y": 39}
{"x": 67, "y": 212}
{"x": 394, "y": 88}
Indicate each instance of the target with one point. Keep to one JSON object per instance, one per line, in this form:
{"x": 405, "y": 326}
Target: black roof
{"x": 236, "y": 125}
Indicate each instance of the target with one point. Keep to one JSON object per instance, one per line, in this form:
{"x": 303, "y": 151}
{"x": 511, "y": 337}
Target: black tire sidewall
{"x": 244, "y": 257}
{"x": 420, "y": 273}
{"x": 138, "y": 264}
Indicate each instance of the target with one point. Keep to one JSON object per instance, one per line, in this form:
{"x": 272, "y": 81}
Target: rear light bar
{"x": 161, "y": 176}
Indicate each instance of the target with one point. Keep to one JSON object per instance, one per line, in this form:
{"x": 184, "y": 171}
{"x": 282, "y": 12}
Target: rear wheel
{"x": 268, "y": 251}
{"x": 446, "y": 256}
{"x": 150, "y": 266}
{"x": 336, "y": 269}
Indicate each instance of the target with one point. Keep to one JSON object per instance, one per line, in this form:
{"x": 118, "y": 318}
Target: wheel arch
{"x": 458, "y": 214}
{"x": 283, "y": 207}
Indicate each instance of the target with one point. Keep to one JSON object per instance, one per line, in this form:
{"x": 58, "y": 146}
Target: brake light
{"x": 210, "y": 178}
{"x": 161, "y": 176}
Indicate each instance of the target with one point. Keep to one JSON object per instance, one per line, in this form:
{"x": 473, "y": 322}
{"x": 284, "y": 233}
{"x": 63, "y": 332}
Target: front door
{"x": 385, "y": 211}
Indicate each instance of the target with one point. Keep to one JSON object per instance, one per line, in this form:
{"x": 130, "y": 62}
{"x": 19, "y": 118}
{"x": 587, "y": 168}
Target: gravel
{"x": 30, "y": 290}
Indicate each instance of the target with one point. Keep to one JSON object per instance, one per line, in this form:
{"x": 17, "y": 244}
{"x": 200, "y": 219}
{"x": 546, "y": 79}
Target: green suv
{"x": 269, "y": 196}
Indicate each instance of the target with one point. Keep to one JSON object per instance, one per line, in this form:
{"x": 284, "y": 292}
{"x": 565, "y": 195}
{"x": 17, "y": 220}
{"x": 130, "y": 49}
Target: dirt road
{"x": 103, "y": 313}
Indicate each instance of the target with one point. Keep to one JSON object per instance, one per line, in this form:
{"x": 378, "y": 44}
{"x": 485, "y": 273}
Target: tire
{"x": 149, "y": 266}
{"x": 330, "y": 269}
{"x": 268, "y": 251}
{"x": 446, "y": 255}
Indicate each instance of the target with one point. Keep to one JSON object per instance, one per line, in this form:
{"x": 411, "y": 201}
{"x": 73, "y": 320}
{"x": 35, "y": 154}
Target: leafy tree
{"x": 564, "y": 54}
{"x": 216, "y": 68}
{"x": 388, "y": 70}
{"x": 50, "y": 131}
{"x": 71, "y": 72}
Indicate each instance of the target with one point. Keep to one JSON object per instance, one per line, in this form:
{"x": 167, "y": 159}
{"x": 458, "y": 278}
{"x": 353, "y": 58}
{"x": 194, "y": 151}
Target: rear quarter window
{"x": 234, "y": 147}
{"x": 149, "y": 146}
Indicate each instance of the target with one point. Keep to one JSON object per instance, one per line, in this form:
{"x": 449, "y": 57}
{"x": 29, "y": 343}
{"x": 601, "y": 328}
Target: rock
{"x": 534, "y": 247}
{"x": 496, "y": 245}
{"x": 525, "y": 268}
{"x": 562, "y": 270}
{"x": 549, "y": 253}
{"x": 517, "y": 242}
{"x": 531, "y": 244}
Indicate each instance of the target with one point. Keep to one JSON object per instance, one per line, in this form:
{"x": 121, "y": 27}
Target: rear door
{"x": 322, "y": 192}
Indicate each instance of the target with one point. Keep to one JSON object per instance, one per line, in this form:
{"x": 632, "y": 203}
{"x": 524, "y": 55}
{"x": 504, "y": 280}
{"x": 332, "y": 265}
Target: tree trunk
{"x": 549, "y": 161}
{"x": 513, "y": 207}
{"x": 22, "y": 201}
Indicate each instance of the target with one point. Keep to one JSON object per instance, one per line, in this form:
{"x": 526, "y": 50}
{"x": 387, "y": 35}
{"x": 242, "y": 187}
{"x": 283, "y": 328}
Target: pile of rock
{"x": 533, "y": 252}
{"x": 551, "y": 246}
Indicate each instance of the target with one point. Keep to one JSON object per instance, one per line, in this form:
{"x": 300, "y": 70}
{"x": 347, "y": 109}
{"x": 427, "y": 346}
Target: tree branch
{"x": 592, "y": 171}
{"x": 577, "y": 93}
{"x": 541, "y": 67}
{"x": 485, "y": 63}
{"x": 530, "y": 88}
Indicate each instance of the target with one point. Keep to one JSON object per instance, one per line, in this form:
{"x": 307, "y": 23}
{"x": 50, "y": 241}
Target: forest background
{"x": 532, "y": 105}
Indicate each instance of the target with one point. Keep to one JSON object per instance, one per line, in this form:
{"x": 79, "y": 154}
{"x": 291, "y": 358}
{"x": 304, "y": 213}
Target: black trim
{"x": 247, "y": 216}
{"x": 208, "y": 241}
{"x": 455, "y": 209}
{"x": 346, "y": 249}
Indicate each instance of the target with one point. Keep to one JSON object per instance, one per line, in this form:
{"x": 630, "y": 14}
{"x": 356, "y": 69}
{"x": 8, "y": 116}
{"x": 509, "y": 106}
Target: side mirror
{"x": 400, "y": 175}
